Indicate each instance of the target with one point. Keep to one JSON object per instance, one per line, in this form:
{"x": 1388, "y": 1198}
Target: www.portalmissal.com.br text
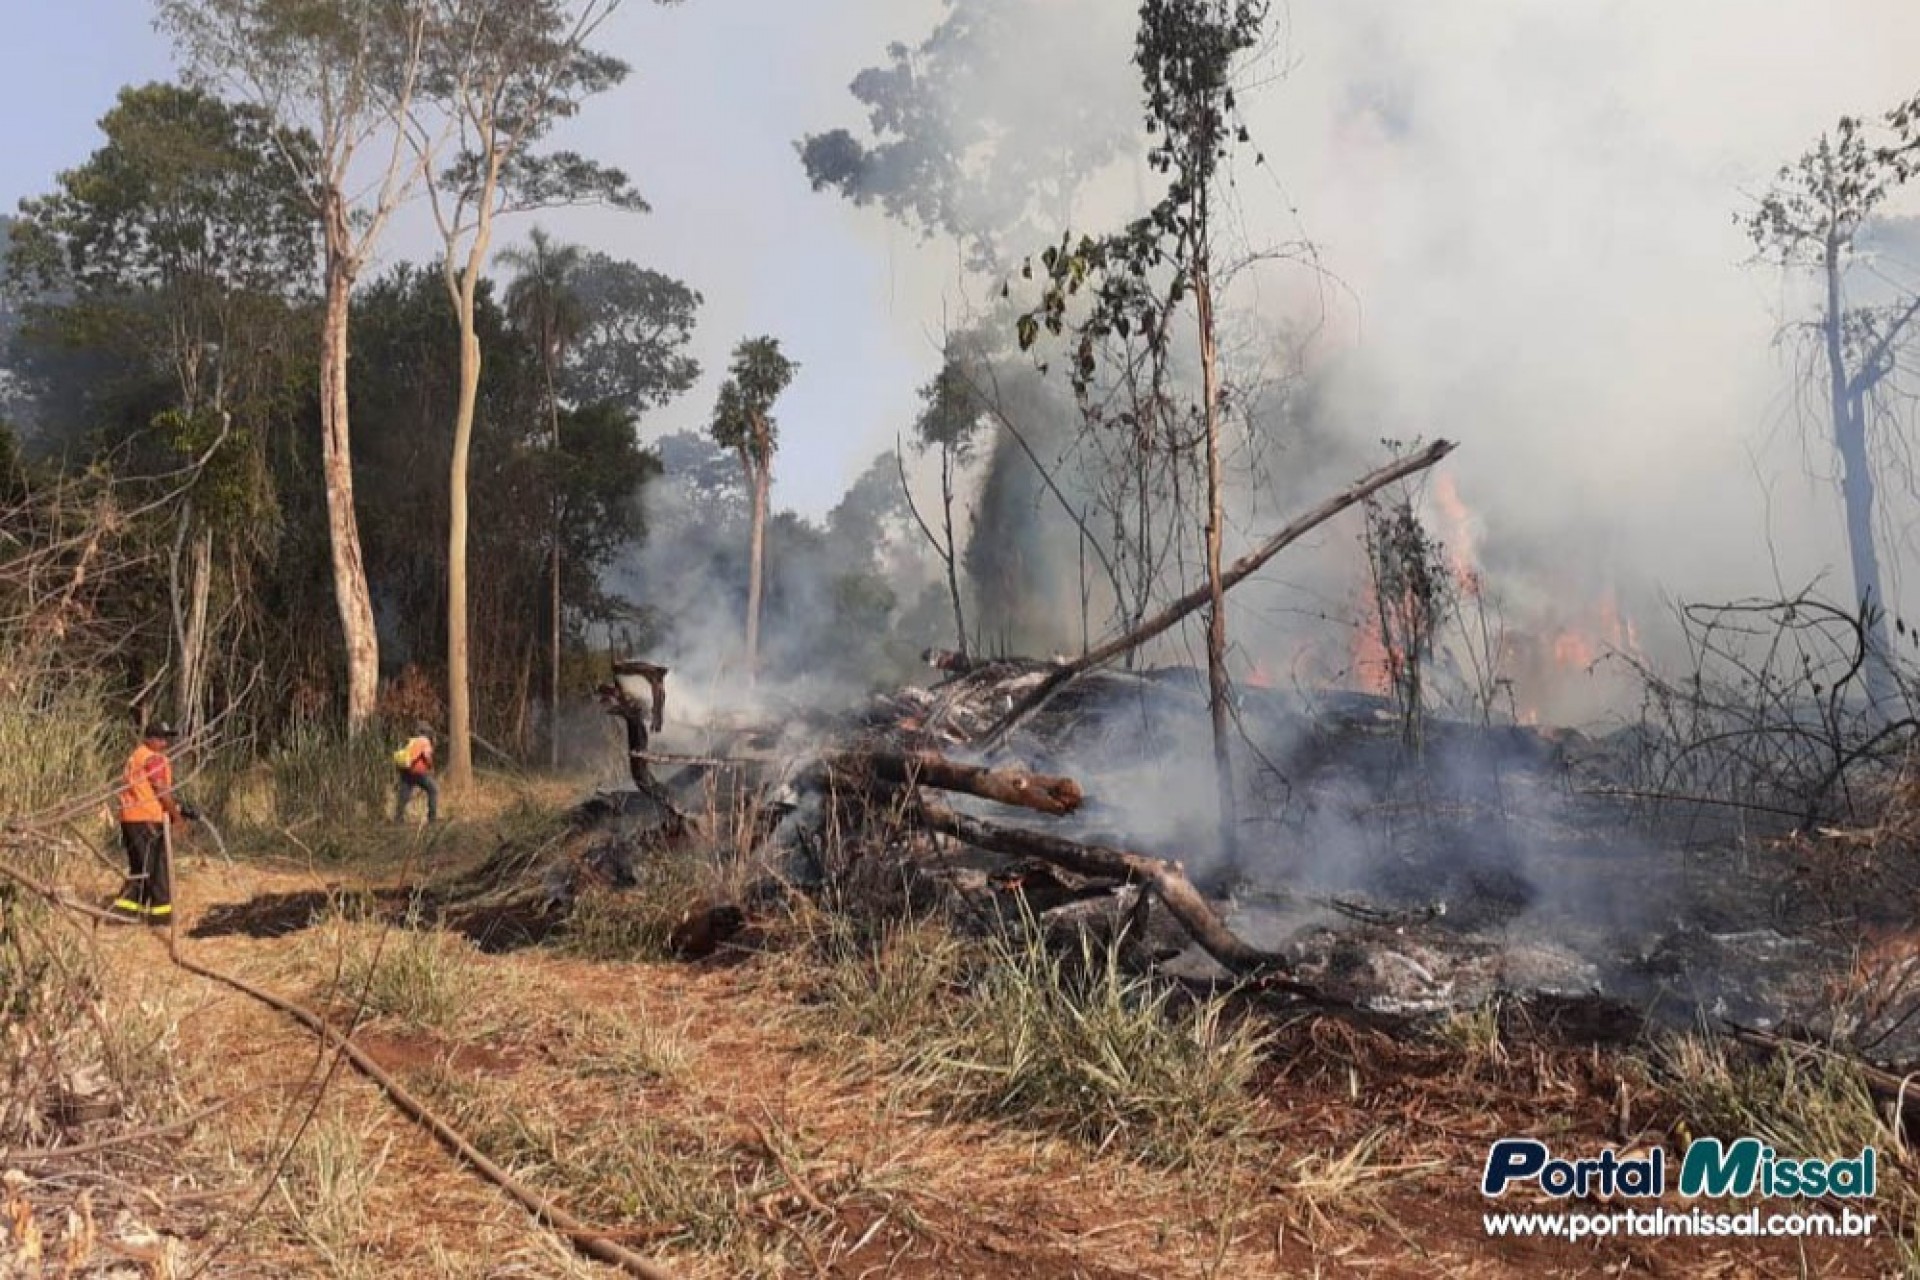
{"x": 1743, "y": 1170}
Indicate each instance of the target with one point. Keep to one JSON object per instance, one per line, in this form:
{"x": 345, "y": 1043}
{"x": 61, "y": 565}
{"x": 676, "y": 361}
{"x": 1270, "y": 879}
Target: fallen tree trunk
{"x": 1236, "y": 573}
{"x": 1043, "y": 793}
{"x": 1167, "y": 879}
{"x": 1884, "y": 1085}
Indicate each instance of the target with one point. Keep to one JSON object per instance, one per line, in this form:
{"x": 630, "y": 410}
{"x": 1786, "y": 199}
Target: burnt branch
{"x": 1166, "y": 879}
{"x": 1039, "y": 792}
{"x": 1242, "y": 569}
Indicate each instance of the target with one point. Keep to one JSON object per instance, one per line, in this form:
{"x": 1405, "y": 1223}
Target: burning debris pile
{"x": 1377, "y": 857}
{"x": 1501, "y": 861}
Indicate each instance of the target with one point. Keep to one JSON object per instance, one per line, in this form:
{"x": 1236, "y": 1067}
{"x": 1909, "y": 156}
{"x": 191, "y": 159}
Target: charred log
{"x": 1166, "y": 879}
{"x": 1242, "y": 569}
{"x": 1040, "y": 792}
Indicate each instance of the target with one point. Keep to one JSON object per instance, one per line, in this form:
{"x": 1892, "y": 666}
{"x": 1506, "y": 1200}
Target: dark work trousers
{"x": 147, "y": 889}
{"x": 424, "y": 782}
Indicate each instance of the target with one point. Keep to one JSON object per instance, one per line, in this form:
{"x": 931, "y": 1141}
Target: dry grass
{"x": 638, "y": 923}
{"x": 408, "y": 972}
{"x": 625, "y": 1045}
{"x": 883, "y": 982}
{"x": 73, "y": 1038}
{"x": 1803, "y": 1104}
{"x": 1474, "y": 1034}
{"x": 1077, "y": 1045}
{"x": 57, "y": 745}
{"x": 328, "y": 1181}
{"x": 325, "y": 775}
{"x": 1063, "y": 1042}
{"x": 672, "y": 1183}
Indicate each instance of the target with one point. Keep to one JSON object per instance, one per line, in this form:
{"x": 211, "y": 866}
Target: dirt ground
{"x": 691, "y": 1112}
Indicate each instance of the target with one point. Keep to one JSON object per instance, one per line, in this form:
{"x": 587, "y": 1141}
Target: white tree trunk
{"x": 756, "y": 566}
{"x": 351, "y": 595}
{"x": 459, "y": 705}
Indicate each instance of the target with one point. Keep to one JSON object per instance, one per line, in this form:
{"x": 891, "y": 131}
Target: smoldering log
{"x": 1043, "y": 793}
{"x": 1236, "y": 573}
{"x": 1167, "y": 879}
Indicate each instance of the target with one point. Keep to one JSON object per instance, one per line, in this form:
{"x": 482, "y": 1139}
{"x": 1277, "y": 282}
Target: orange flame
{"x": 1367, "y": 659}
{"x": 1457, "y": 532}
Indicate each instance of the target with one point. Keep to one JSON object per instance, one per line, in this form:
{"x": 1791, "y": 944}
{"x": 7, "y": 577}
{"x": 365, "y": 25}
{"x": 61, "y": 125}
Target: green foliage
{"x": 1186, "y": 51}
{"x": 186, "y": 197}
{"x": 1823, "y": 198}
{"x": 506, "y": 73}
{"x": 635, "y": 328}
{"x": 743, "y": 414}
{"x": 180, "y": 249}
{"x": 952, "y": 410}
{"x": 542, "y": 299}
{"x": 870, "y": 519}
{"x": 405, "y": 383}
{"x": 983, "y": 129}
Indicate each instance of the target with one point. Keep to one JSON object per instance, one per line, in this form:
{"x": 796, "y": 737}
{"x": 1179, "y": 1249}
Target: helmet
{"x": 161, "y": 729}
{"x": 422, "y": 729}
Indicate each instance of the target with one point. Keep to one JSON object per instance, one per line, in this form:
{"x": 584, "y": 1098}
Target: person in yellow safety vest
{"x": 414, "y": 763}
{"x": 147, "y": 805}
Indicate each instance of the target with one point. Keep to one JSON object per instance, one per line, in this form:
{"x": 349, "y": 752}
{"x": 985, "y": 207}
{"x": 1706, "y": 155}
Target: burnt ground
{"x": 797, "y": 1154}
{"x": 1496, "y": 860}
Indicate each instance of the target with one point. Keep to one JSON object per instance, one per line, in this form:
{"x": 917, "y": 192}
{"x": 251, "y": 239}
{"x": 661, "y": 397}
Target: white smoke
{"x": 1525, "y": 226}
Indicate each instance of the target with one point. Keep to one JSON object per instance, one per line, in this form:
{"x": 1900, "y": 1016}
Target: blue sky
{"x": 60, "y": 66}
{"x": 720, "y": 89}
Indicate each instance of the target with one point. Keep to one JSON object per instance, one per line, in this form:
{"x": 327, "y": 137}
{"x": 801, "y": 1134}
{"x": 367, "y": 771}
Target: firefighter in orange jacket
{"x": 414, "y": 765}
{"x": 147, "y": 805}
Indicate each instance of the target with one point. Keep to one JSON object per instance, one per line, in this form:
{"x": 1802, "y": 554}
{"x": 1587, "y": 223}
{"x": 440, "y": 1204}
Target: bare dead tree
{"x": 1816, "y": 219}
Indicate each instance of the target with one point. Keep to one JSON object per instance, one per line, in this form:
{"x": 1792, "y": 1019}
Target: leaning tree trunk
{"x": 1857, "y": 496}
{"x": 351, "y": 596}
{"x": 1217, "y": 691}
{"x": 952, "y": 556}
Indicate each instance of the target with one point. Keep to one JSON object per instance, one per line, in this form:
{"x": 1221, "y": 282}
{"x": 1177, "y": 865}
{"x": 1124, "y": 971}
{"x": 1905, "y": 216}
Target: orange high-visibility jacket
{"x": 419, "y": 756}
{"x": 149, "y": 775}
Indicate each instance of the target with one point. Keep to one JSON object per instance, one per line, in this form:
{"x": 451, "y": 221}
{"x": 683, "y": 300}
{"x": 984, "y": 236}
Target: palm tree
{"x": 743, "y": 421}
{"x": 544, "y": 301}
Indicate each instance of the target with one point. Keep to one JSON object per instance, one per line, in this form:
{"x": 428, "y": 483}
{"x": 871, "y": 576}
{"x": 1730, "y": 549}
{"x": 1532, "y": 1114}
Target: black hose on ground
{"x": 594, "y": 1244}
